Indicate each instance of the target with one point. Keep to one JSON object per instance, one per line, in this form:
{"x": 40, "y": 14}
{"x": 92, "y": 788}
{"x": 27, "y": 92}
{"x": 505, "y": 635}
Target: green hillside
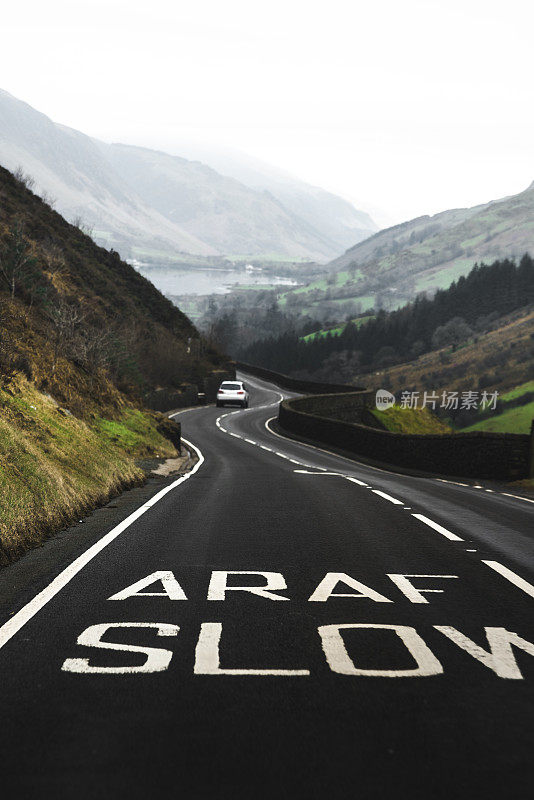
{"x": 391, "y": 267}
{"x": 514, "y": 420}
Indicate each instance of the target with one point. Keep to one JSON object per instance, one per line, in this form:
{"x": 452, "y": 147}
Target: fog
{"x": 408, "y": 108}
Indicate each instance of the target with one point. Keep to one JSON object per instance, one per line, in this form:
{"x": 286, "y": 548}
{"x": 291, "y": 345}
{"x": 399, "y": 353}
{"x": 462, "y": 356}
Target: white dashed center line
{"x": 521, "y": 583}
{"x": 438, "y": 528}
{"x": 388, "y": 497}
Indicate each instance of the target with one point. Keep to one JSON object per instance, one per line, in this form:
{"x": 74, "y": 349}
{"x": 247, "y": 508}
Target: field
{"x": 514, "y": 420}
{"x": 358, "y": 321}
{"x": 518, "y": 391}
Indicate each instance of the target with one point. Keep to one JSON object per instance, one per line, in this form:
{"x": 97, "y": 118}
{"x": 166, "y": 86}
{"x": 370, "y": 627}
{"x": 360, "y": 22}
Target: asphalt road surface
{"x": 282, "y": 623}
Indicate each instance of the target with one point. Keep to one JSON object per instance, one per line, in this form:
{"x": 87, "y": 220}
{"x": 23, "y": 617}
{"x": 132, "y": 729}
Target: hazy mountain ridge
{"x": 328, "y": 213}
{"x": 428, "y": 253}
{"x": 229, "y": 216}
{"x": 389, "y": 240}
{"x": 70, "y": 168}
{"x": 141, "y": 201}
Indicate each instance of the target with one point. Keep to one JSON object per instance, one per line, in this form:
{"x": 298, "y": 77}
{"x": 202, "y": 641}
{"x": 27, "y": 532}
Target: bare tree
{"x": 83, "y": 226}
{"x": 23, "y": 177}
{"x": 66, "y": 318}
{"x": 54, "y": 260}
{"x": 17, "y": 262}
{"x": 49, "y": 199}
{"x": 93, "y": 347}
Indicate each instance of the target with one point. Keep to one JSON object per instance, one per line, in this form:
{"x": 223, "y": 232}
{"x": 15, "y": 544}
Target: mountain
{"x": 436, "y": 249}
{"x": 71, "y": 168}
{"x": 334, "y": 217}
{"x": 230, "y": 217}
{"x": 147, "y": 203}
{"x": 428, "y": 253}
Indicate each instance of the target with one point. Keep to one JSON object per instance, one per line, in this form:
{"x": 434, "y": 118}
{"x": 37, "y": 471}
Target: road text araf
{"x": 222, "y": 585}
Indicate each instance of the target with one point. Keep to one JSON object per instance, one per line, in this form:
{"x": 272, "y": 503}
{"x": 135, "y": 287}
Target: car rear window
{"x": 230, "y": 386}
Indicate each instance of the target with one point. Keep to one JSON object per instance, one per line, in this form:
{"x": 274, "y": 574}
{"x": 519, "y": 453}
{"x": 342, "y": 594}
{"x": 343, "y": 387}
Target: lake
{"x": 178, "y": 281}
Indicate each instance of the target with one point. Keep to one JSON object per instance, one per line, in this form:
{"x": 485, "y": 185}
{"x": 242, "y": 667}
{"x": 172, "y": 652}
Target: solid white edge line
{"x": 518, "y": 497}
{"x": 521, "y": 583}
{"x": 18, "y": 620}
{"x": 328, "y": 452}
{"x": 438, "y": 528}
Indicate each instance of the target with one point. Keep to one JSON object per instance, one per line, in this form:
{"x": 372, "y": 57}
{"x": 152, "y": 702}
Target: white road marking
{"x": 500, "y": 657}
{"x": 157, "y": 659}
{"x": 171, "y": 587}
{"x": 327, "y": 452}
{"x": 339, "y": 660}
{"x": 18, "y": 620}
{"x": 323, "y": 474}
{"x": 471, "y": 551}
{"x": 250, "y": 441}
{"x": 191, "y": 408}
{"x": 415, "y": 595}
{"x": 438, "y": 528}
{"x": 456, "y": 483}
{"x": 518, "y": 497}
{"x": 355, "y": 480}
{"x": 388, "y": 497}
{"x": 331, "y": 580}
{"x": 521, "y": 583}
{"x": 274, "y": 582}
{"x": 207, "y": 657}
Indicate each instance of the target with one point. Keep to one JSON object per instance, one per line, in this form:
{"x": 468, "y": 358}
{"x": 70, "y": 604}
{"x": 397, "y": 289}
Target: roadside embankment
{"x": 54, "y": 466}
{"x": 323, "y": 419}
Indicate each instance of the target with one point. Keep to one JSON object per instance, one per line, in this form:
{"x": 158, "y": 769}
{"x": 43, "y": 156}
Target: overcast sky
{"x": 411, "y": 106}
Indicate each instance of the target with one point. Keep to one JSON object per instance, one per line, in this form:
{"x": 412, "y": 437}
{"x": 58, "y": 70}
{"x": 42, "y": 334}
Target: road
{"x": 228, "y": 672}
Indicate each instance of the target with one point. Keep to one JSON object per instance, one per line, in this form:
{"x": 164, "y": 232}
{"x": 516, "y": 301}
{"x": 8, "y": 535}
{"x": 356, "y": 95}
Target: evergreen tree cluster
{"x": 470, "y": 303}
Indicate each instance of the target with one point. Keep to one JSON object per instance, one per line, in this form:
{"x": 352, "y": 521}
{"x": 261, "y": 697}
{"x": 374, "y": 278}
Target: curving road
{"x": 282, "y": 622}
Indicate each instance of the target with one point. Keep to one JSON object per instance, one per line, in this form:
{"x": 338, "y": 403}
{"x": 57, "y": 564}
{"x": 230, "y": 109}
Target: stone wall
{"x": 323, "y": 419}
{"x": 292, "y": 384}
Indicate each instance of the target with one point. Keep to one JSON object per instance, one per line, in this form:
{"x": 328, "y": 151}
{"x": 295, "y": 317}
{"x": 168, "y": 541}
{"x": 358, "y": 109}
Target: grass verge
{"x": 54, "y": 467}
{"x": 410, "y": 420}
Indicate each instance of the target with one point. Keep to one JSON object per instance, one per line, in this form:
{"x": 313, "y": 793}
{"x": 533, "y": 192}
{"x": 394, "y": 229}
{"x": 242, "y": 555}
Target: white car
{"x": 234, "y": 392}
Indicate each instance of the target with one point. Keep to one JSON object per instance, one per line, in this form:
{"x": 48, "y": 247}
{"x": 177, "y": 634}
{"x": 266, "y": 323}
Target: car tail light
{"x": 241, "y": 393}
{"x": 221, "y": 391}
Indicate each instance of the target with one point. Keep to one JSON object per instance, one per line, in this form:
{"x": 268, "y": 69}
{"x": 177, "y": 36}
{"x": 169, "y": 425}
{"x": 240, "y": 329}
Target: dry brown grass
{"x": 498, "y": 360}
